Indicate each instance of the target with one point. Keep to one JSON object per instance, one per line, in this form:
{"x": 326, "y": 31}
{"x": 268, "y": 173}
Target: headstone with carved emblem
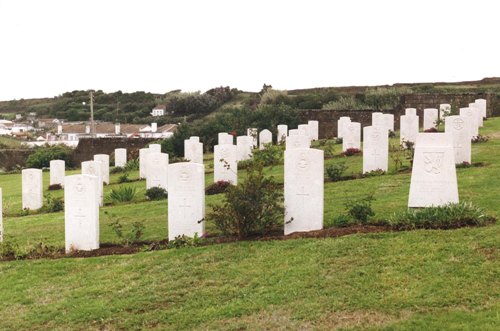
{"x": 460, "y": 130}
{"x": 297, "y": 141}
{"x": 471, "y": 117}
{"x": 225, "y": 165}
{"x": 352, "y": 136}
{"x": 375, "y": 148}
{"x": 304, "y": 189}
{"x": 186, "y": 200}
{"x": 81, "y": 212}
{"x": 433, "y": 177}
{"x": 32, "y": 189}
{"x": 157, "y": 165}
{"x": 193, "y": 150}
{"x": 444, "y": 110}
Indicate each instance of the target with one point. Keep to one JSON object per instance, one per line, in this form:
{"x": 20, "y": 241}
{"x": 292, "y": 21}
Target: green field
{"x": 417, "y": 280}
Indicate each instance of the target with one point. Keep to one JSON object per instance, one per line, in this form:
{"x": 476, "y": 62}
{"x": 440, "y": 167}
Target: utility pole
{"x": 92, "y": 125}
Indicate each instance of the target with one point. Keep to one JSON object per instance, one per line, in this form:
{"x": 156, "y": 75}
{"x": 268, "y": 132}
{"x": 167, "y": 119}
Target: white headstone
{"x": 32, "y": 189}
{"x": 408, "y": 128}
{"x": 433, "y": 177}
{"x": 120, "y": 157}
{"x": 244, "y": 147}
{"x": 444, "y": 110}
{"x": 186, "y": 199}
{"x": 57, "y": 168}
{"x": 254, "y": 133}
{"x": 341, "y": 125}
{"x": 104, "y": 159}
{"x": 411, "y": 111}
{"x": 225, "y": 166}
{"x": 81, "y": 213}
{"x": 294, "y": 132}
{"x": 375, "y": 149}
{"x": 389, "y": 121}
{"x": 93, "y": 168}
{"x": 157, "y": 165}
{"x": 304, "y": 129}
{"x": 482, "y": 106}
{"x": 193, "y": 150}
{"x": 143, "y": 154}
{"x": 313, "y": 129}
{"x": 297, "y": 141}
{"x": 460, "y": 130}
{"x": 352, "y": 136}
{"x": 430, "y": 118}
{"x": 479, "y": 113}
{"x": 1, "y": 216}
{"x": 155, "y": 148}
{"x": 304, "y": 178}
{"x": 378, "y": 119}
{"x": 471, "y": 117}
{"x": 225, "y": 138}
{"x": 265, "y": 138}
{"x": 282, "y": 133}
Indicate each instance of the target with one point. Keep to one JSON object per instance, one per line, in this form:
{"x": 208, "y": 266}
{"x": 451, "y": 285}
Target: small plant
{"x": 123, "y": 178}
{"x": 185, "y": 241}
{"x": 373, "y": 173}
{"x": 335, "y": 171}
{"x": 339, "y": 141}
{"x": 134, "y": 235}
{"x": 342, "y": 221}
{"x": 53, "y": 204}
{"x": 122, "y": 194}
{"x": 156, "y": 193}
{"x": 272, "y": 155}
{"x": 464, "y": 164}
{"x": 351, "y": 152}
{"x": 392, "y": 134}
{"x": 220, "y": 186}
{"x": 117, "y": 170}
{"x": 8, "y": 250}
{"x": 132, "y": 165}
{"x": 453, "y": 215}
{"x": 480, "y": 139}
{"x": 40, "y": 249}
{"x": 361, "y": 209}
{"x": 55, "y": 187}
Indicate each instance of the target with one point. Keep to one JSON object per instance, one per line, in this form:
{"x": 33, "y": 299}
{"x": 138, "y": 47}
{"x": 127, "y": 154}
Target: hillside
{"x": 409, "y": 280}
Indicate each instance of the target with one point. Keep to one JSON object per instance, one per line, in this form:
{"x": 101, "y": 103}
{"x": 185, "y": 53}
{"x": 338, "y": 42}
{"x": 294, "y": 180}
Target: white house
{"x": 159, "y": 110}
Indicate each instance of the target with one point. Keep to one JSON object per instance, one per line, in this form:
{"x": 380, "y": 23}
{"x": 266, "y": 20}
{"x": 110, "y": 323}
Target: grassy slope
{"x": 412, "y": 280}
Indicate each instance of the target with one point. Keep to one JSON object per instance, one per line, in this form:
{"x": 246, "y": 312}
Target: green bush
{"x": 335, "y": 171}
{"x": 254, "y": 207}
{"x": 53, "y": 204}
{"x": 185, "y": 241}
{"x": 117, "y": 170}
{"x": 123, "y": 178}
{"x": 132, "y": 236}
{"x": 43, "y": 155}
{"x": 272, "y": 155}
{"x": 453, "y": 215}
{"x": 122, "y": 194}
{"x": 220, "y": 186}
{"x": 131, "y": 165}
{"x": 361, "y": 209}
{"x": 156, "y": 193}
{"x": 342, "y": 220}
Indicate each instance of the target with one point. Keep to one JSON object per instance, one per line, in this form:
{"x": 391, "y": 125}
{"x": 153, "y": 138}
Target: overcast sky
{"x": 52, "y": 46}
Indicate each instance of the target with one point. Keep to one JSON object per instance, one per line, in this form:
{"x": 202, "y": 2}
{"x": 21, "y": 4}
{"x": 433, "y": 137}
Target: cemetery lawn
{"x": 417, "y": 280}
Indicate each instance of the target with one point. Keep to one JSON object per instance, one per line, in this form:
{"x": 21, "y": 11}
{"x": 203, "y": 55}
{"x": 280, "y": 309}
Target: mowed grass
{"x": 406, "y": 280}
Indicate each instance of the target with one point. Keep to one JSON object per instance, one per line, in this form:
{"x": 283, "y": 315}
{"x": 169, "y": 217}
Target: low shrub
{"x": 55, "y": 187}
{"x": 335, "y": 171}
{"x": 453, "y": 215}
{"x": 123, "y": 178}
{"x": 373, "y": 173}
{"x": 117, "y": 170}
{"x": 339, "y": 141}
{"x": 342, "y": 221}
{"x": 43, "y": 155}
{"x": 122, "y": 194}
{"x": 220, "y": 186}
{"x": 254, "y": 207}
{"x": 53, "y": 204}
{"x": 156, "y": 193}
{"x": 361, "y": 209}
{"x": 132, "y": 165}
{"x": 272, "y": 155}
{"x": 185, "y": 241}
{"x": 351, "y": 152}
{"x": 133, "y": 235}
{"x": 480, "y": 139}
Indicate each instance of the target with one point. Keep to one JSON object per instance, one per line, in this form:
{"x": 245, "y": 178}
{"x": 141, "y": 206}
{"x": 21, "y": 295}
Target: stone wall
{"x": 88, "y": 147}
{"x": 11, "y": 159}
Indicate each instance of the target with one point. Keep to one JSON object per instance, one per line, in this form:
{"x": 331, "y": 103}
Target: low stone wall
{"x": 11, "y": 159}
{"x": 88, "y": 147}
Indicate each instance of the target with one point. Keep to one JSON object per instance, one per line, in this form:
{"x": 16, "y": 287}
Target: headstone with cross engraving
{"x": 479, "y": 114}
{"x": 120, "y": 157}
{"x": 352, "y": 136}
{"x": 471, "y": 117}
{"x": 430, "y": 118}
{"x": 303, "y": 189}
{"x": 81, "y": 212}
{"x": 254, "y": 133}
{"x": 297, "y": 141}
{"x": 265, "y": 138}
{"x": 32, "y": 189}
{"x": 93, "y": 168}
{"x": 411, "y": 111}
{"x": 244, "y": 147}
{"x": 104, "y": 159}
{"x": 157, "y": 164}
{"x": 225, "y": 138}
{"x": 433, "y": 177}
{"x": 143, "y": 153}
{"x": 225, "y": 166}
{"x": 193, "y": 150}
{"x": 460, "y": 130}
{"x": 444, "y": 110}
{"x": 186, "y": 199}
{"x": 341, "y": 125}
{"x": 408, "y": 128}
{"x": 375, "y": 148}
{"x": 313, "y": 129}
{"x": 57, "y": 172}
{"x": 282, "y": 133}
{"x": 482, "y": 107}
{"x": 155, "y": 148}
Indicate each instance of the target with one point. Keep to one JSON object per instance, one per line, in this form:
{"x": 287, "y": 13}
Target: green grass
{"x": 415, "y": 280}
